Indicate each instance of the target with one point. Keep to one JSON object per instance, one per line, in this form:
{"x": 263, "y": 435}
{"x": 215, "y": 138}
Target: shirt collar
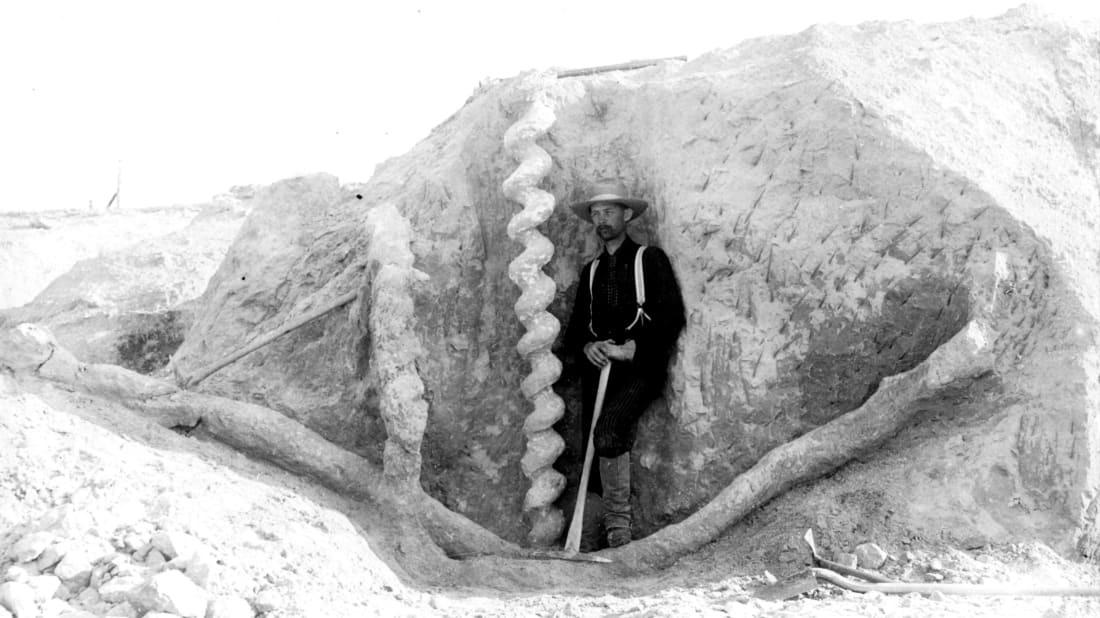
{"x": 628, "y": 245}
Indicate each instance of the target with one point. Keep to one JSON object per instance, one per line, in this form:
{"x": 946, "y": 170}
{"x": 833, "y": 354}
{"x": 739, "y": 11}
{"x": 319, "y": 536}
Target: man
{"x": 608, "y": 325}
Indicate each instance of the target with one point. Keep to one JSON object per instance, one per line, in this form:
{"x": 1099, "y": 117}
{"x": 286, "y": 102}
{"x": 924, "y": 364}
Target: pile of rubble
{"x": 55, "y": 570}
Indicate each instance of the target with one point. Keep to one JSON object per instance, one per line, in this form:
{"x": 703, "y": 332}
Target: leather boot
{"x": 615, "y": 474}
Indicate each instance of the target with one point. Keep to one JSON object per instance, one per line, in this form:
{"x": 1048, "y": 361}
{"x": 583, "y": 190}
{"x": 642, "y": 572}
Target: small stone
{"x": 937, "y": 596}
{"x": 20, "y": 572}
{"x": 870, "y": 556}
{"x": 229, "y": 607}
{"x": 18, "y": 598}
{"x": 133, "y": 542}
{"x": 909, "y": 556}
{"x": 846, "y": 559}
{"x": 45, "y": 587}
{"x": 935, "y": 564}
{"x": 172, "y": 591}
{"x": 154, "y": 559}
{"x": 267, "y": 600}
{"x": 771, "y": 579}
{"x": 75, "y": 569}
{"x": 56, "y": 607}
{"x": 124, "y": 609}
{"x": 121, "y": 588}
{"x": 174, "y": 544}
{"x": 51, "y": 556}
{"x": 115, "y": 566}
{"x": 936, "y": 577}
{"x": 88, "y": 597}
{"x": 198, "y": 570}
{"x": 101, "y": 574}
{"x": 31, "y": 546}
{"x": 64, "y": 593}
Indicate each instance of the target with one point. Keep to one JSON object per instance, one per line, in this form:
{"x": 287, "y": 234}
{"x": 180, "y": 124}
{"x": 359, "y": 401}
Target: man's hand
{"x": 624, "y": 352}
{"x": 597, "y": 352}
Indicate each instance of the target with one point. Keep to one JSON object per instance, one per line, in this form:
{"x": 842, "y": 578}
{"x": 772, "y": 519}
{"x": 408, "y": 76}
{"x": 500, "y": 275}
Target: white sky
{"x": 193, "y": 97}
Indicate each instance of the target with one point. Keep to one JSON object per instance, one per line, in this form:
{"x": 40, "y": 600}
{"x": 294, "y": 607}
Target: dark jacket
{"x": 614, "y": 306}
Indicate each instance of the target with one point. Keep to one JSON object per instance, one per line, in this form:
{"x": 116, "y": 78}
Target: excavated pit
{"x": 825, "y": 238}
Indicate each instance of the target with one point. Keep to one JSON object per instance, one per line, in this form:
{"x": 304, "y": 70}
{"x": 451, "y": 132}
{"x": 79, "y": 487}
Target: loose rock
{"x": 88, "y": 597}
{"x": 198, "y": 570}
{"x": 267, "y": 600}
{"x": 846, "y": 559}
{"x": 174, "y": 544}
{"x": 18, "y": 598}
{"x": 870, "y": 556}
{"x": 51, "y": 556}
{"x": 75, "y": 569}
{"x": 124, "y": 609}
{"x": 229, "y": 607}
{"x": 154, "y": 559}
{"x": 134, "y": 542}
{"x": 121, "y": 588}
{"x": 45, "y": 587}
{"x": 20, "y": 572}
{"x": 172, "y": 591}
{"x": 56, "y": 607}
{"x": 31, "y": 546}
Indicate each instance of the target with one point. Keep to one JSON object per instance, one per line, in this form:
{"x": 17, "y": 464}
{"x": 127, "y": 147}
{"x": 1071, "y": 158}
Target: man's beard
{"x": 605, "y": 232}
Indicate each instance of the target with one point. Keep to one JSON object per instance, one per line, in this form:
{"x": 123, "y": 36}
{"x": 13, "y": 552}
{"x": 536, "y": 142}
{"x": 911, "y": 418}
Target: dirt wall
{"x": 828, "y": 230}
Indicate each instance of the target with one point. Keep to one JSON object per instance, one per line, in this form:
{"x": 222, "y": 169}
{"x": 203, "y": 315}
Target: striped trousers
{"x": 627, "y": 397}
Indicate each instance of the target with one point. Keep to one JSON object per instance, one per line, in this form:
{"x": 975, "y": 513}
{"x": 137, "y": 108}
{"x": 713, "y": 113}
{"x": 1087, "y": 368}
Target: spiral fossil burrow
{"x": 544, "y": 445}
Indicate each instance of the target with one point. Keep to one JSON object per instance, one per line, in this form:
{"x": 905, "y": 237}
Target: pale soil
{"x": 324, "y": 555}
{"x": 36, "y": 248}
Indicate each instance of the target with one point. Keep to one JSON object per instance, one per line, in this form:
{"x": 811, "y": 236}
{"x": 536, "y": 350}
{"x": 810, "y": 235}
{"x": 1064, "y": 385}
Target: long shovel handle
{"x": 573, "y": 538}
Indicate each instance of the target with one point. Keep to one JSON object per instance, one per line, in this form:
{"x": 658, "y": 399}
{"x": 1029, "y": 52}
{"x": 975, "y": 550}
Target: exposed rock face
{"x": 128, "y": 306}
{"x": 834, "y": 203}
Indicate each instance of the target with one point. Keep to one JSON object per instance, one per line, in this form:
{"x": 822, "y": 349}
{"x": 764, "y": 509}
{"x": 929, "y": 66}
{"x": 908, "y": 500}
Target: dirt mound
{"x": 837, "y": 204}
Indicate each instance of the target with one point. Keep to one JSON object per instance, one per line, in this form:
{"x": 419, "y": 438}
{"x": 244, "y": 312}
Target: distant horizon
{"x": 192, "y": 101}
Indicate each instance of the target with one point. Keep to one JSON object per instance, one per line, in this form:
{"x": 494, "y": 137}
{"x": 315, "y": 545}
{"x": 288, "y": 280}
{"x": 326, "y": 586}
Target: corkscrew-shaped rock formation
{"x": 394, "y": 346}
{"x": 543, "y": 443}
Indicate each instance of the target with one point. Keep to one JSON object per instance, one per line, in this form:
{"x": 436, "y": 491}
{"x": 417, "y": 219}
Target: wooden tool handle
{"x": 573, "y": 538}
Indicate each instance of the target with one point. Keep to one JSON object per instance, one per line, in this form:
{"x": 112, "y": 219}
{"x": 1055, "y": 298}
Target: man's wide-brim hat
{"x": 612, "y": 192}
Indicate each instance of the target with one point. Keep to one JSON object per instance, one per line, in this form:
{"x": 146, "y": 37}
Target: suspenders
{"x": 639, "y": 290}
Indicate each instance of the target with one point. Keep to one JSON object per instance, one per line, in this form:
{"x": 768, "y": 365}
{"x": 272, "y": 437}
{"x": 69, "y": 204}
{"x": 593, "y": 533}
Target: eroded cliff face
{"x": 836, "y": 204}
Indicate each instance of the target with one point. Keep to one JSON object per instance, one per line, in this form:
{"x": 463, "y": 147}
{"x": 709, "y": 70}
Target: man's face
{"x": 610, "y": 219}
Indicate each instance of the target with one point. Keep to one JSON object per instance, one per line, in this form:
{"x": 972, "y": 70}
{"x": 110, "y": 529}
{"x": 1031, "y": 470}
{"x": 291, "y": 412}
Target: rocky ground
{"x": 105, "y": 514}
{"x": 36, "y": 248}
